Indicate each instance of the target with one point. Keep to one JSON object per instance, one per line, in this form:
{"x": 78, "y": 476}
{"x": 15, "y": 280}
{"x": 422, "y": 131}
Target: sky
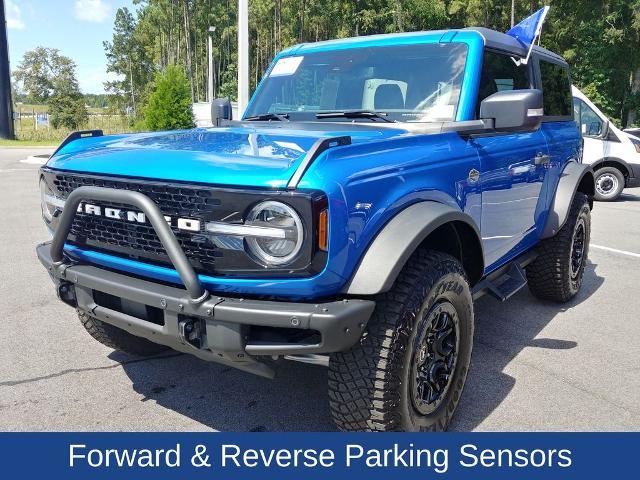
{"x": 75, "y": 27}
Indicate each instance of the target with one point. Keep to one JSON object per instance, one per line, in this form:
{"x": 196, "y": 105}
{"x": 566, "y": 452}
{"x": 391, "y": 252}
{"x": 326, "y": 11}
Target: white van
{"x": 614, "y": 154}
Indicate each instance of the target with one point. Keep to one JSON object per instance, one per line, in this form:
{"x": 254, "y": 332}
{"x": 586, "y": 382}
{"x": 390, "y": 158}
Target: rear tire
{"x": 557, "y": 273}
{"x": 118, "y": 339}
{"x": 609, "y": 183}
{"x": 409, "y": 368}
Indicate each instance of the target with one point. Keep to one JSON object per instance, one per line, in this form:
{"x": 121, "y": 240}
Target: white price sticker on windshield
{"x": 286, "y": 66}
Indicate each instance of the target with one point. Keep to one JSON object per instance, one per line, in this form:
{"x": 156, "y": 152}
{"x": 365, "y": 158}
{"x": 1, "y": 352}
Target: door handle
{"x": 542, "y": 159}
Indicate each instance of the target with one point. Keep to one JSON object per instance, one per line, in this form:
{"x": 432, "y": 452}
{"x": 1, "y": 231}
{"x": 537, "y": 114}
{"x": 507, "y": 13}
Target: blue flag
{"x": 528, "y": 30}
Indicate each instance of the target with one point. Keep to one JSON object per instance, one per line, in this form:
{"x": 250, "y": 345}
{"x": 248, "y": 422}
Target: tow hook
{"x": 67, "y": 293}
{"x": 192, "y": 331}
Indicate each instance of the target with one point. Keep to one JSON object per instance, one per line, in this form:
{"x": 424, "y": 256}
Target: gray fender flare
{"x": 574, "y": 177}
{"x": 398, "y": 239}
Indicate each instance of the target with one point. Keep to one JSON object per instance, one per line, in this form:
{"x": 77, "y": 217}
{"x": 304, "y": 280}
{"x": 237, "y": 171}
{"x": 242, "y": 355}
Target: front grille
{"x": 103, "y": 232}
{"x": 136, "y": 240}
{"x": 219, "y": 255}
{"x": 175, "y": 199}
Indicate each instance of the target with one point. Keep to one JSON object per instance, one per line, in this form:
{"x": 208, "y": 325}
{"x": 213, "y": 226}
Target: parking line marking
{"x": 615, "y": 250}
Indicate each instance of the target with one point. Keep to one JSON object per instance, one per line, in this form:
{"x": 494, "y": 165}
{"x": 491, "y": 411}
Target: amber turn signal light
{"x": 323, "y": 230}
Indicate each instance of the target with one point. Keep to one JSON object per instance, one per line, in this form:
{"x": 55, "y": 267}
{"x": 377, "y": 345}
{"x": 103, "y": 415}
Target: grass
{"x": 28, "y": 108}
{"x": 25, "y": 128}
{"x": 28, "y": 143}
{"x": 27, "y": 135}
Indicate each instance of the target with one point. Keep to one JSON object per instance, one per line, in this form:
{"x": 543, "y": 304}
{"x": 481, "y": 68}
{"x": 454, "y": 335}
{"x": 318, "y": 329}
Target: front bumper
{"x": 226, "y": 321}
{"x": 232, "y": 331}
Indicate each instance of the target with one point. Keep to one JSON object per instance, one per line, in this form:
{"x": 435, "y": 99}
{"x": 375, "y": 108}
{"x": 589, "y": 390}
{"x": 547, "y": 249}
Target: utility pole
{"x": 243, "y": 56}
{"x": 6, "y": 106}
{"x": 513, "y": 13}
{"x": 210, "y": 57}
{"x": 133, "y": 95}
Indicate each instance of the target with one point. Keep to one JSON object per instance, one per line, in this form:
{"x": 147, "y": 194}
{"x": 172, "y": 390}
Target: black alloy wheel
{"x": 434, "y": 357}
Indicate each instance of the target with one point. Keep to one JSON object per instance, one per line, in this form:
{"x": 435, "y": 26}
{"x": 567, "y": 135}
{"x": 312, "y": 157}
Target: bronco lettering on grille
{"x": 187, "y": 224}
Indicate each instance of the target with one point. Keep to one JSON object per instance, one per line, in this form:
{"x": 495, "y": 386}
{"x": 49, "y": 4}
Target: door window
{"x": 556, "y": 89}
{"x": 591, "y": 125}
{"x": 500, "y": 72}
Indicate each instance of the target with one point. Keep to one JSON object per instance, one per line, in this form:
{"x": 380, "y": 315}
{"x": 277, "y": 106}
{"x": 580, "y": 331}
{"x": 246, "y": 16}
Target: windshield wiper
{"x": 356, "y": 114}
{"x": 283, "y": 117}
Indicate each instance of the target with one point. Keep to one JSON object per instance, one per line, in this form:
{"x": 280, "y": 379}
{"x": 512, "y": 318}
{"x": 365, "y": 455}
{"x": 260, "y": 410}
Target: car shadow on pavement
{"x": 502, "y": 332}
{"x": 628, "y": 197}
{"x": 223, "y": 398}
{"x": 227, "y": 399}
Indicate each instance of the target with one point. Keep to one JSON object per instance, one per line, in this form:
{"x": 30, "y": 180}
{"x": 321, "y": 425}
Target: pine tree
{"x": 169, "y": 106}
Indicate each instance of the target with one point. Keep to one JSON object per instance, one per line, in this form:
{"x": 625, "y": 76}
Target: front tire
{"x": 609, "y": 182}
{"x": 118, "y": 339}
{"x": 409, "y": 368}
{"x": 557, "y": 273}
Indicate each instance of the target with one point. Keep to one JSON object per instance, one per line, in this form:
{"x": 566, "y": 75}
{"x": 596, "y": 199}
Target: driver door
{"x": 512, "y": 168}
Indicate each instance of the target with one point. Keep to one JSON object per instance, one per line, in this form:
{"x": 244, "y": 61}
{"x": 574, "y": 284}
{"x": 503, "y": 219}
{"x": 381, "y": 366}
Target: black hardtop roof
{"x": 508, "y": 44}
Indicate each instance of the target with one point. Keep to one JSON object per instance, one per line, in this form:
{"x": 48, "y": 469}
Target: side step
{"x": 505, "y": 282}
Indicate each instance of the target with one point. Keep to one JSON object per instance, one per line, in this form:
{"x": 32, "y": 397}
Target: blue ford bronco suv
{"x": 373, "y": 189}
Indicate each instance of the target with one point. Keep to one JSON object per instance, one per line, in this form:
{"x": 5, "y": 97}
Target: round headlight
{"x": 284, "y": 244}
{"x": 47, "y": 208}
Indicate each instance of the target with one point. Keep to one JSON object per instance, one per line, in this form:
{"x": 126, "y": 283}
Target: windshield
{"x": 407, "y": 83}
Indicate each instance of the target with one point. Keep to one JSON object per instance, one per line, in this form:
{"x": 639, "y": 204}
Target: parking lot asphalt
{"x": 536, "y": 366}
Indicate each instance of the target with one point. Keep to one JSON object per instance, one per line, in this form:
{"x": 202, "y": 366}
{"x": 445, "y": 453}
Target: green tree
{"x": 599, "y": 38}
{"x": 127, "y": 57}
{"x": 49, "y": 77}
{"x": 66, "y": 104}
{"x": 601, "y": 42}
{"x": 34, "y": 74}
{"x": 97, "y": 100}
{"x": 169, "y": 106}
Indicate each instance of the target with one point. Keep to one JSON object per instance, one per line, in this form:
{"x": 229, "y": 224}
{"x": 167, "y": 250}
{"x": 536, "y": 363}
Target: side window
{"x": 499, "y": 72}
{"x": 556, "y": 89}
{"x": 591, "y": 124}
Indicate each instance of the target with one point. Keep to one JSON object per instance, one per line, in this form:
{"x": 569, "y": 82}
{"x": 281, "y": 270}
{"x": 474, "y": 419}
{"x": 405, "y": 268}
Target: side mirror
{"x": 513, "y": 110}
{"x": 220, "y": 110}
